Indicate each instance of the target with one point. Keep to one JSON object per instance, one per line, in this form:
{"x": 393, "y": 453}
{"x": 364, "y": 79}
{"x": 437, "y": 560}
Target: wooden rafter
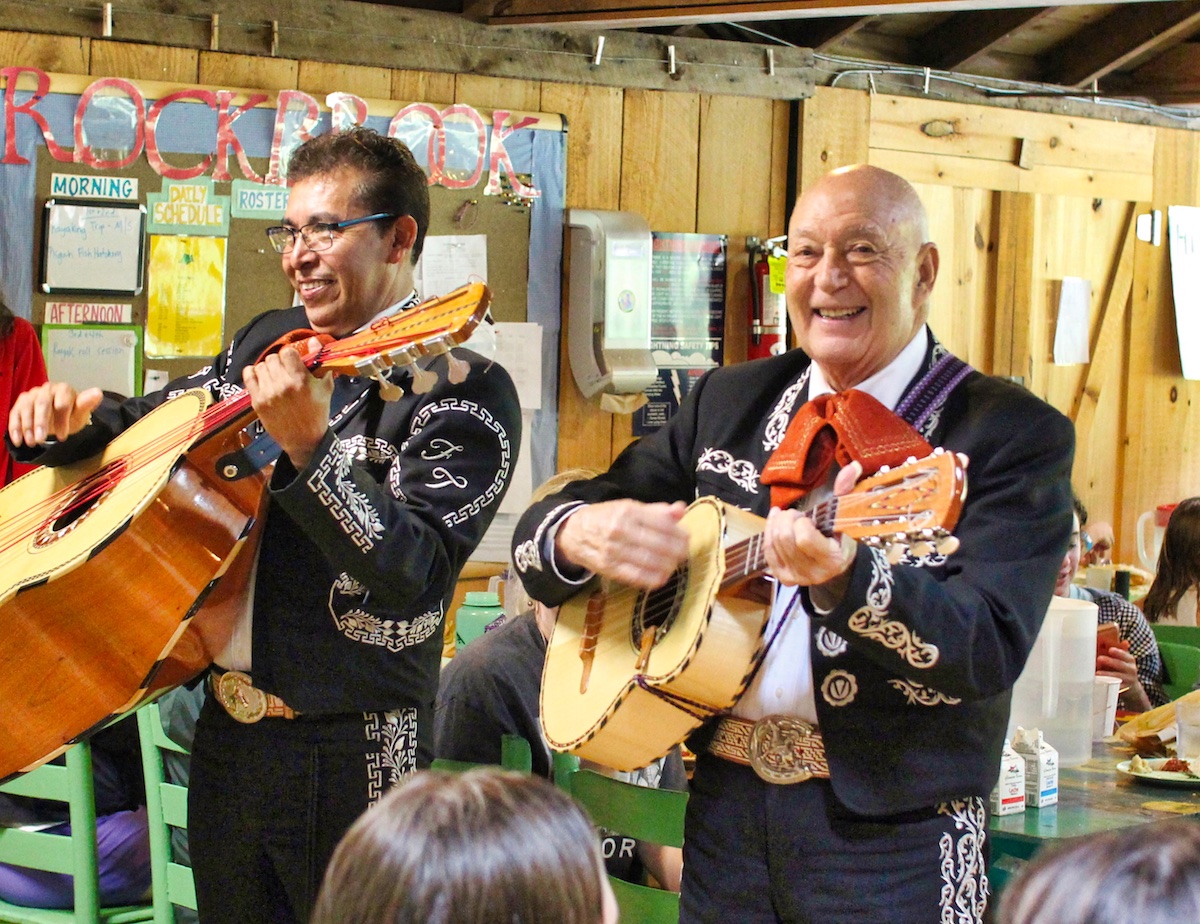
{"x": 617, "y": 13}
{"x": 1129, "y": 32}
{"x": 964, "y": 38}
{"x": 817, "y": 34}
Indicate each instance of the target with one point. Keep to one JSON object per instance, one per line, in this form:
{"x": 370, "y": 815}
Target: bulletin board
{"x": 92, "y": 246}
{"x": 107, "y": 356}
{"x": 255, "y": 281}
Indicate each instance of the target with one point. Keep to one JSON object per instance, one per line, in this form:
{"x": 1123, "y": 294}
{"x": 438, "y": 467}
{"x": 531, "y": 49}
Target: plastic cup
{"x": 1187, "y": 722}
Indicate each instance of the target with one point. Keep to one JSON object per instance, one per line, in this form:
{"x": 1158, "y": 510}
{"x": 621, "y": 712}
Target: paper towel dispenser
{"x": 609, "y": 335}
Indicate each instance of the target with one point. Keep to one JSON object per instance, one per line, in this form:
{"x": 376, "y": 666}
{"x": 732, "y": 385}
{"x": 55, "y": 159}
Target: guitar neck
{"x": 747, "y": 559}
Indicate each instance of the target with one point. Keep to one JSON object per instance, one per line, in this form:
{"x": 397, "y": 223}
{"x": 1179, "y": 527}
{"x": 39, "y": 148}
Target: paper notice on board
{"x": 1071, "y": 329}
{"x": 519, "y": 351}
{"x": 1183, "y": 229}
{"x": 450, "y": 261}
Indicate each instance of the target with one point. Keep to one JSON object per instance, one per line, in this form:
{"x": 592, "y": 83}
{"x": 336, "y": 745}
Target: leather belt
{"x": 779, "y": 748}
{"x": 245, "y": 702}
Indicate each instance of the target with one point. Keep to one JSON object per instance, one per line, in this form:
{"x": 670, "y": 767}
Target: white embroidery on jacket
{"x": 739, "y": 471}
{"x": 829, "y": 643}
{"x": 839, "y": 688}
{"x": 781, "y": 414}
{"x": 499, "y": 480}
{"x": 348, "y": 601}
{"x": 350, "y": 507}
{"x": 918, "y": 694}
{"x": 396, "y": 734}
{"x": 870, "y": 620}
{"x": 525, "y": 556}
{"x": 964, "y": 873}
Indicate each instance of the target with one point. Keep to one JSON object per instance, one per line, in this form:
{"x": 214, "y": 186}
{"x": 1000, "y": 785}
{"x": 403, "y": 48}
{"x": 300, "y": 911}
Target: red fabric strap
{"x": 846, "y": 427}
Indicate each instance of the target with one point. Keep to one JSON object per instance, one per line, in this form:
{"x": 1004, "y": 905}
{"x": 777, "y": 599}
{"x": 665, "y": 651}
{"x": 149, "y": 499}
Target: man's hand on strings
{"x": 799, "y": 554}
{"x": 636, "y": 544}
{"x": 292, "y": 403}
{"x": 54, "y": 410}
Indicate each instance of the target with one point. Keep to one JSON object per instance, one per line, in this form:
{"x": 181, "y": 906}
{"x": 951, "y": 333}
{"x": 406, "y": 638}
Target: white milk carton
{"x": 1008, "y": 797}
{"x": 1041, "y": 767}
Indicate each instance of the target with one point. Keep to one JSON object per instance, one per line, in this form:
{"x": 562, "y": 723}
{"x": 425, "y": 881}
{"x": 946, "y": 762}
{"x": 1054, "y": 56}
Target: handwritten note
{"x": 102, "y": 357}
{"x": 92, "y": 248}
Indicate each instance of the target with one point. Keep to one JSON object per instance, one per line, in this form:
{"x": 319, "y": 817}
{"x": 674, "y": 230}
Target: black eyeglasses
{"x": 318, "y": 235}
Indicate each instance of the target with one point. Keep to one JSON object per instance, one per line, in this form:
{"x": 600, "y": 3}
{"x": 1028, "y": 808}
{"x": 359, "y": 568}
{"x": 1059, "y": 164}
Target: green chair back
{"x": 1180, "y": 635}
{"x": 74, "y": 853}
{"x": 654, "y": 815}
{"x": 515, "y": 754}
{"x": 166, "y": 808}
{"x": 1182, "y": 663}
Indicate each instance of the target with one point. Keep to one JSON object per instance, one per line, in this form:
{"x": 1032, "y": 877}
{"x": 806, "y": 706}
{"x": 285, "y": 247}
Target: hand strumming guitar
{"x": 51, "y": 411}
{"x": 637, "y": 544}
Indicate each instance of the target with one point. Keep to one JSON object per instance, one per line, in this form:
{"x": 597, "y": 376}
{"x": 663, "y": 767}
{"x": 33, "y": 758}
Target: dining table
{"x": 1093, "y": 798}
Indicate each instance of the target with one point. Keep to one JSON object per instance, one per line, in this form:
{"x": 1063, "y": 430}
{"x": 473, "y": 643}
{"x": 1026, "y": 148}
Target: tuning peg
{"x": 962, "y": 459}
{"x": 423, "y": 380}
{"x": 458, "y": 369}
{"x": 947, "y": 545}
{"x": 921, "y": 549}
{"x": 896, "y": 553}
{"x": 388, "y": 390}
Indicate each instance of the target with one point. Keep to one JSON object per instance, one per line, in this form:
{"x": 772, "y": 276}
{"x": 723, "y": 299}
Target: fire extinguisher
{"x": 768, "y": 310}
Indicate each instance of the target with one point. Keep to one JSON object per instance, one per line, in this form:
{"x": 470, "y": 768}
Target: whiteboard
{"x": 107, "y": 356}
{"x": 92, "y": 246}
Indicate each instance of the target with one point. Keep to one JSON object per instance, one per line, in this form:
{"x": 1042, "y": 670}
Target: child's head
{"x": 482, "y": 847}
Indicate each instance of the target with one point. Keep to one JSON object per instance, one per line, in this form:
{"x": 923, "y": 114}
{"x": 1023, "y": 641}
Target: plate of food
{"x": 1162, "y": 771}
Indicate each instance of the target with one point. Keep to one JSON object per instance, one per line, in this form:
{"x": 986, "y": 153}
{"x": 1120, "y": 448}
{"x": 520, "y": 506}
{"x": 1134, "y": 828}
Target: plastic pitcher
{"x": 1054, "y": 691}
{"x": 1149, "y": 541}
{"x": 480, "y": 607}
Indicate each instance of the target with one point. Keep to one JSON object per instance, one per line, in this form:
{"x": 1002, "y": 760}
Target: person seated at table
{"x": 1148, "y": 874}
{"x": 483, "y": 847}
{"x": 1137, "y": 663}
{"x": 1172, "y": 596}
{"x": 1097, "y": 544}
{"x": 490, "y": 689}
{"x": 122, "y": 832}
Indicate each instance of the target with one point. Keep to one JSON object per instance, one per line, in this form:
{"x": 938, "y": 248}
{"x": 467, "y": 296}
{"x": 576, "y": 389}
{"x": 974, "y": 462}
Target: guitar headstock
{"x": 431, "y": 328}
{"x": 913, "y": 507}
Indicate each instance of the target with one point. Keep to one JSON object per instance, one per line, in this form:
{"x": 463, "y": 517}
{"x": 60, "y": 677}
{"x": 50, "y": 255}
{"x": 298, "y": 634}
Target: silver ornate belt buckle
{"x": 775, "y": 749}
{"x": 237, "y": 693}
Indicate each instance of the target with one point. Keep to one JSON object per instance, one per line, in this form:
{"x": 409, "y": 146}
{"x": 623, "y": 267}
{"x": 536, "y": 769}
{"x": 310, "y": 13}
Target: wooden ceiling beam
{"x": 817, "y": 34}
{"x": 959, "y": 42}
{"x": 640, "y": 13}
{"x": 1171, "y": 79}
{"x": 1130, "y": 31}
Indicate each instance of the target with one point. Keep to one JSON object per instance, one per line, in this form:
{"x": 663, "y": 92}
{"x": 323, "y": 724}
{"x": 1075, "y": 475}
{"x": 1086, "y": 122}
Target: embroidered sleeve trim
{"x": 920, "y": 695}
{"x": 351, "y": 508}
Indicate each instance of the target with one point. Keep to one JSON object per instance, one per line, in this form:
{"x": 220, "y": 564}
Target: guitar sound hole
{"x": 88, "y": 493}
{"x": 656, "y": 610}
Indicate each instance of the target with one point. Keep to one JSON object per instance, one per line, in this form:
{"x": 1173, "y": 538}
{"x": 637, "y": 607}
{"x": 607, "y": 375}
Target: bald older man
{"x": 888, "y": 683}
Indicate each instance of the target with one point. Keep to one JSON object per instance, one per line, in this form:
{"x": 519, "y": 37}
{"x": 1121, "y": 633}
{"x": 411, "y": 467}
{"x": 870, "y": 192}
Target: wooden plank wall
{"x": 1018, "y": 201}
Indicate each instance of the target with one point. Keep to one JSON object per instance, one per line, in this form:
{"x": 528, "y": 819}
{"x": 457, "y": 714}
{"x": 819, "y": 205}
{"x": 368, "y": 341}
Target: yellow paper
{"x": 186, "y": 296}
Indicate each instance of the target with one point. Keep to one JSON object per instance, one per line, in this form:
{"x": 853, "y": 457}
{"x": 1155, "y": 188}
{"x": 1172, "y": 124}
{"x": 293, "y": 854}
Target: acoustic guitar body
{"x": 623, "y": 707}
{"x": 102, "y": 566}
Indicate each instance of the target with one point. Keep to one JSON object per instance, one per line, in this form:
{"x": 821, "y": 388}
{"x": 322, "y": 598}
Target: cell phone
{"x": 1108, "y": 635}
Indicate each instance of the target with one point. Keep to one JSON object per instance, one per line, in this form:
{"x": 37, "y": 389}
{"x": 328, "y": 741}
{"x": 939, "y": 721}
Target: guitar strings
{"x": 747, "y": 556}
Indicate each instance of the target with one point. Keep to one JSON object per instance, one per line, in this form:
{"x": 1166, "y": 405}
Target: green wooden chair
{"x": 1179, "y": 635}
{"x": 74, "y": 853}
{"x": 654, "y": 815}
{"x": 166, "y": 808}
{"x": 1182, "y": 663}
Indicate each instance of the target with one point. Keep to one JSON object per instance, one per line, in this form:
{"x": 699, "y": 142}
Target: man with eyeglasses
{"x": 323, "y": 696}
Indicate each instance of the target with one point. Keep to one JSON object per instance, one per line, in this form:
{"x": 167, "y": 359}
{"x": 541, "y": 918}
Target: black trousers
{"x": 268, "y": 803}
{"x": 759, "y": 853}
